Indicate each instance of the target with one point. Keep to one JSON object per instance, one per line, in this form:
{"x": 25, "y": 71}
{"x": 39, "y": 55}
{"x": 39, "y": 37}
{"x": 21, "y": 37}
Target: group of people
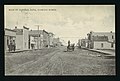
{"x": 11, "y": 45}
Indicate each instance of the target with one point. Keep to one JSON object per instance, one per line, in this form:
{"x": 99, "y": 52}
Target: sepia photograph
{"x": 53, "y": 40}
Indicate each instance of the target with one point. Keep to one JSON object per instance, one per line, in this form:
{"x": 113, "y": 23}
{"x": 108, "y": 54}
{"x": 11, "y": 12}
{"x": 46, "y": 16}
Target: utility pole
{"x": 39, "y": 40}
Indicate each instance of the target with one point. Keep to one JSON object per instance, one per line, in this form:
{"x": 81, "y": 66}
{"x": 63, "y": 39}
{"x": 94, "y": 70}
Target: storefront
{"x": 9, "y": 39}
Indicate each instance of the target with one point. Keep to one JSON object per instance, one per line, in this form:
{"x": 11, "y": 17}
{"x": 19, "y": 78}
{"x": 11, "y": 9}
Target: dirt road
{"x": 56, "y": 61}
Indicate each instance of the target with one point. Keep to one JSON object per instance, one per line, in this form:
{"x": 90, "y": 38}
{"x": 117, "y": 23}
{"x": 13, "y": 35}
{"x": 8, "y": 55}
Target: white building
{"x": 22, "y": 38}
{"x": 102, "y": 40}
{"x": 41, "y": 37}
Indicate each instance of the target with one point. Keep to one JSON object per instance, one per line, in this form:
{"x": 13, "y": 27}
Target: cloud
{"x": 67, "y": 21}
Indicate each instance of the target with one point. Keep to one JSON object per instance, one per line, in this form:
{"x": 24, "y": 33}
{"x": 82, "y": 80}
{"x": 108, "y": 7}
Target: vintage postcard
{"x": 59, "y": 40}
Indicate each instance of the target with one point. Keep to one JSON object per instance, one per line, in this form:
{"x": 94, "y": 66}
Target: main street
{"x": 56, "y": 61}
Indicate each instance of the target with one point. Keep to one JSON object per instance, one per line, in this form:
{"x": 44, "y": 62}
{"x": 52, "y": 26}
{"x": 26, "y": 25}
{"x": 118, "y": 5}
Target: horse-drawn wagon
{"x": 71, "y": 47}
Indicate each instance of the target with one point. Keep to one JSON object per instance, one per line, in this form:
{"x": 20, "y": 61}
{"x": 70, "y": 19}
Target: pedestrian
{"x": 69, "y": 43}
{"x": 14, "y": 45}
{"x": 32, "y": 45}
{"x": 10, "y": 45}
{"x": 73, "y": 46}
{"x": 68, "y": 47}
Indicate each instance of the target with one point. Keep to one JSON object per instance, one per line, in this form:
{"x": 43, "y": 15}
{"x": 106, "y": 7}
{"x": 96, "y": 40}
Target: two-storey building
{"x": 101, "y": 40}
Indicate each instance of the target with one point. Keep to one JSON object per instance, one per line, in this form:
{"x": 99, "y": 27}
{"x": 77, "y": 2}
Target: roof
{"x": 10, "y": 30}
{"x": 25, "y": 28}
{"x": 102, "y": 33}
{"x": 45, "y": 31}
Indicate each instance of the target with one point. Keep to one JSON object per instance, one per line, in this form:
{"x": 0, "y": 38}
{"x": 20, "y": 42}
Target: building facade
{"x": 45, "y": 37}
{"x": 22, "y": 38}
{"x": 101, "y": 40}
{"x": 41, "y": 38}
{"x": 35, "y": 34}
{"x": 84, "y": 43}
{"x": 51, "y": 36}
{"x": 9, "y": 37}
{"x": 56, "y": 42}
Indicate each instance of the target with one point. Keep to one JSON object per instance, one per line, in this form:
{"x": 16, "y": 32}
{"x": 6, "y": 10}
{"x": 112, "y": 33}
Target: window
{"x": 101, "y": 44}
{"x": 112, "y": 37}
{"x": 111, "y": 45}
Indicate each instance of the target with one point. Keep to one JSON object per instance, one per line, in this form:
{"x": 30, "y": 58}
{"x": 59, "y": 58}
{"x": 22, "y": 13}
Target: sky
{"x": 69, "y": 22}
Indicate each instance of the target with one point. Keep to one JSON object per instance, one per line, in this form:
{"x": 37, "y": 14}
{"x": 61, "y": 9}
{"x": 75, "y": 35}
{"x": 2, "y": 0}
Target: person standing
{"x": 10, "y": 47}
{"x": 73, "y": 46}
{"x": 69, "y": 43}
{"x": 14, "y": 45}
{"x": 32, "y": 46}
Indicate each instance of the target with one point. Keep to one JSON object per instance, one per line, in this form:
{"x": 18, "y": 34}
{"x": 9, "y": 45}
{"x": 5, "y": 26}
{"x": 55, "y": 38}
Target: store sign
{"x": 100, "y": 38}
